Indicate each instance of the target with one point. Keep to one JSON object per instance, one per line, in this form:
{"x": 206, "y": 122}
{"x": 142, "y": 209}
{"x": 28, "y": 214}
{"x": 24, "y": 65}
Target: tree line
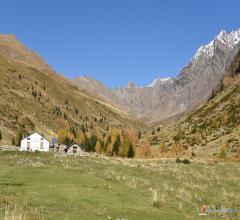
{"x": 114, "y": 142}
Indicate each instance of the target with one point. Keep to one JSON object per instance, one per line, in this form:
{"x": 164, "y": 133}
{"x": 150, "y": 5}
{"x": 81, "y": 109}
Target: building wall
{"x": 59, "y": 149}
{"x": 34, "y": 142}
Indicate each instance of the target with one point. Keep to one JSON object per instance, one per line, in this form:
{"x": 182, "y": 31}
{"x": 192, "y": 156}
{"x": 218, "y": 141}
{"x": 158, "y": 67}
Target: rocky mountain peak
{"x": 229, "y": 39}
{"x": 7, "y": 37}
{"x": 131, "y": 85}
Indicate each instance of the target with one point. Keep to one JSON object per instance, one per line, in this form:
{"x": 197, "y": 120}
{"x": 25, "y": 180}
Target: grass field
{"x": 39, "y": 186}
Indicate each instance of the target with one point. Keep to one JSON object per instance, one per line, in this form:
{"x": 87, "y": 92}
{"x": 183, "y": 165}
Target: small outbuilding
{"x": 34, "y": 142}
{"x": 59, "y": 149}
{"x": 74, "y": 150}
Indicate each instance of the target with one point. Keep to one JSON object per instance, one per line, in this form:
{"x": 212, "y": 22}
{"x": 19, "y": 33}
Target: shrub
{"x": 185, "y": 161}
{"x": 222, "y": 154}
{"x": 163, "y": 148}
{"x": 37, "y": 153}
{"x": 194, "y": 130}
{"x": 139, "y": 134}
{"x": 158, "y": 204}
{"x": 178, "y": 160}
{"x": 76, "y": 110}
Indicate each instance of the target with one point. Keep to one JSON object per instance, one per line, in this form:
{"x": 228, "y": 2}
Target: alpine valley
{"x": 199, "y": 107}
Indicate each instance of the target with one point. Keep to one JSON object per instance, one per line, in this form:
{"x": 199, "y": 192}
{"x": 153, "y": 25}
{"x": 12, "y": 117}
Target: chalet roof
{"x": 70, "y": 145}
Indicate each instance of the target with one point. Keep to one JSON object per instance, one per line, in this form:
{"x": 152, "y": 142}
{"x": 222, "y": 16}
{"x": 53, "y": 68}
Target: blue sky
{"x": 117, "y": 41}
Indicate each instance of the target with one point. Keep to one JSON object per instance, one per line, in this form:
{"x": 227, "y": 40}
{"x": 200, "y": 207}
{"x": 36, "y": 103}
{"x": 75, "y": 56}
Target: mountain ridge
{"x": 169, "y": 97}
{"x": 34, "y": 97}
{"x": 13, "y": 49}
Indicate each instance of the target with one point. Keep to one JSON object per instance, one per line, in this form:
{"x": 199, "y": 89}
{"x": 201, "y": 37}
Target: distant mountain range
{"x": 170, "y": 97}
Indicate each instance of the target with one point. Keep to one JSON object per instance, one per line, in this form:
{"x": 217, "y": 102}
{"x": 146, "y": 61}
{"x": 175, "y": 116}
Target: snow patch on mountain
{"x": 160, "y": 80}
{"x": 229, "y": 39}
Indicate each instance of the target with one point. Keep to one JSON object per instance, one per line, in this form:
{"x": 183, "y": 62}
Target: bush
{"x": 37, "y": 153}
{"x": 178, "y": 161}
{"x": 185, "y": 161}
{"x": 194, "y": 130}
{"x": 222, "y": 154}
{"x": 158, "y": 204}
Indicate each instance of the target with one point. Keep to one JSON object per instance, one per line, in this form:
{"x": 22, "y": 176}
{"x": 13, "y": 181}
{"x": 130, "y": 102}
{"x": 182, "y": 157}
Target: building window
{"x": 41, "y": 139}
{"x": 28, "y": 139}
{"x": 28, "y": 146}
{"x": 74, "y": 150}
{"x": 41, "y": 145}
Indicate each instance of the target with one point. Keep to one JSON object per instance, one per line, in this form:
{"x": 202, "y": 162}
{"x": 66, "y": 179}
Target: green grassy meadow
{"x": 44, "y": 187}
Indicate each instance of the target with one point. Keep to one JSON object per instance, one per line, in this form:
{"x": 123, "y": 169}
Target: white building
{"x": 34, "y": 142}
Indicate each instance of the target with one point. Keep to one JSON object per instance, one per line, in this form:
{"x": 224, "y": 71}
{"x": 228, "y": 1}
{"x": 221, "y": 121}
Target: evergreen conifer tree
{"x": 13, "y": 141}
{"x": 116, "y": 145}
{"x": 19, "y": 136}
{"x": 130, "y": 152}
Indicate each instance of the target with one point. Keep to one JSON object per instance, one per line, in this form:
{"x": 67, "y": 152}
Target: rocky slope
{"x": 99, "y": 90}
{"x": 34, "y": 98}
{"x": 169, "y": 97}
{"x": 213, "y": 128}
